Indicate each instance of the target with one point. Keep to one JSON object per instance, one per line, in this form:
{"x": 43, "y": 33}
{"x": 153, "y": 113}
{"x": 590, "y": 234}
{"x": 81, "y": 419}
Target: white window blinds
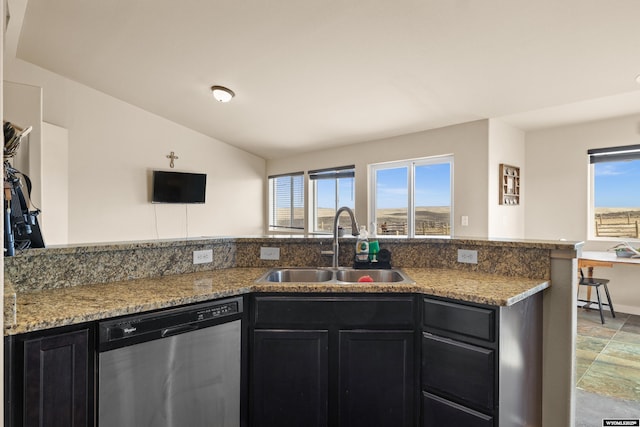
{"x": 287, "y": 201}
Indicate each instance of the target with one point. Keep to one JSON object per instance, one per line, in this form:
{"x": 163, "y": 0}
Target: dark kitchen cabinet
{"x": 346, "y": 360}
{"x": 440, "y": 412}
{"x": 445, "y": 362}
{"x": 289, "y": 377}
{"x": 50, "y": 379}
{"x": 481, "y": 365}
{"x": 376, "y": 378}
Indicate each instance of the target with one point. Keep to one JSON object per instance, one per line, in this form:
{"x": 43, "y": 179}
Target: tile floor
{"x": 607, "y": 367}
{"x": 608, "y": 356}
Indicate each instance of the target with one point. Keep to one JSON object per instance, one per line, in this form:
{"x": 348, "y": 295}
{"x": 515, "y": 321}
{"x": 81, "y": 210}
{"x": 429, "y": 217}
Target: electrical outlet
{"x": 464, "y": 221}
{"x": 467, "y": 256}
{"x": 203, "y": 257}
{"x": 270, "y": 253}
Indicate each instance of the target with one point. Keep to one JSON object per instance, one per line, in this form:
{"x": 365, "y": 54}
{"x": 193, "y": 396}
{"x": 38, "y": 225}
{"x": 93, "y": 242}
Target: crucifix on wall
{"x": 173, "y": 157}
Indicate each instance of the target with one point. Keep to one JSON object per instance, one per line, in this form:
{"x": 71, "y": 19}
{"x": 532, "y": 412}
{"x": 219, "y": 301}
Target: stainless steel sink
{"x": 298, "y": 275}
{"x": 385, "y": 276}
{"x": 333, "y": 275}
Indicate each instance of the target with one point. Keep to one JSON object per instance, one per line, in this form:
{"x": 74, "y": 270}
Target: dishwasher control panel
{"x": 218, "y": 310}
{"x": 150, "y": 326}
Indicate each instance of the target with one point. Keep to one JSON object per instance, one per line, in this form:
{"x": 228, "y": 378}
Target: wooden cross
{"x": 173, "y": 157}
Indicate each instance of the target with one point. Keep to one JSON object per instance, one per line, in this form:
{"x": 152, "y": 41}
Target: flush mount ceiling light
{"x": 222, "y": 93}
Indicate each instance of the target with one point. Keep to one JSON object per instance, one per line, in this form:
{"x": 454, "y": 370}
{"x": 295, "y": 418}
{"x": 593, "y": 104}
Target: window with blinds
{"x": 615, "y": 199}
{"x": 332, "y": 188}
{"x": 286, "y": 201}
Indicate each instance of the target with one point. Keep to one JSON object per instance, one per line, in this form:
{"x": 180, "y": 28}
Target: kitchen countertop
{"x": 43, "y": 309}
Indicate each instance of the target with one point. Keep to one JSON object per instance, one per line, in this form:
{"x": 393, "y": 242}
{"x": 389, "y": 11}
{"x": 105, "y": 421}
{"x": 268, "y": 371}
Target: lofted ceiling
{"x": 313, "y": 74}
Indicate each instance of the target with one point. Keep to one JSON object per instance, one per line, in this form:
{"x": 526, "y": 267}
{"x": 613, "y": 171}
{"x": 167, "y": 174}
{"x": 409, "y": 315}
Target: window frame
{"x": 603, "y": 155}
{"x": 411, "y": 164}
{"x": 272, "y": 223}
{"x": 335, "y": 174}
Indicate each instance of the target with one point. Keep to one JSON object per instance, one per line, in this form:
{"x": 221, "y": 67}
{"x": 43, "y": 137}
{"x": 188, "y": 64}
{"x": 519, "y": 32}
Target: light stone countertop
{"x": 50, "y": 308}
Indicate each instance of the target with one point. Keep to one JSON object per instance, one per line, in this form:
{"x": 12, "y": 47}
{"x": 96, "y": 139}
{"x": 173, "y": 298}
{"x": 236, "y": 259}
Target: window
{"x": 413, "y": 197}
{"x": 615, "y": 196}
{"x": 286, "y": 201}
{"x": 332, "y": 189}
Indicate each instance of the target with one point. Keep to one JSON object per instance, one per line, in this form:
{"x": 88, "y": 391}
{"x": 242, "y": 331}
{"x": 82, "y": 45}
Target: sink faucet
{"x": 354, "y": 230}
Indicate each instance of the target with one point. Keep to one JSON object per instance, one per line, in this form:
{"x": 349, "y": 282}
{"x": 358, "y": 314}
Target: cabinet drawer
{"x": 462, "y": 319}
{"x": 460, "y": 371}
{"x": 284, "y": 311}
{"x": 437, "y": 412}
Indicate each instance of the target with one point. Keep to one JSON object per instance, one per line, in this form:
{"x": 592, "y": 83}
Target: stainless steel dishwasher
{"x": 175, "y": 368}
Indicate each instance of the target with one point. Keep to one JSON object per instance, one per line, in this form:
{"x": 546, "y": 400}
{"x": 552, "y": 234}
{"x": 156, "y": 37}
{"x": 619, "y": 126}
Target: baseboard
{"x": 628, "y": 309}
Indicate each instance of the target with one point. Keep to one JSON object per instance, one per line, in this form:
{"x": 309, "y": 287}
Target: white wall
{"x": 113, "y": 146}
{"x": 467, "y": 142}
{"x": 54, "y": 221}
{"x": 558, "y": 192}
{"x": 558, "y": 174}
{"x": 506, "y": 145}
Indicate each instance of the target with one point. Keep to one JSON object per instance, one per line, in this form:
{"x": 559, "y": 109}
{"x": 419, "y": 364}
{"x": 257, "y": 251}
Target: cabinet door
{"x": 458, "y": 370}
{"x": 290, "y": 378}
{"x": 376, "y": 378}
{"x": 56, "y": 380}
{"x": 438, "y": 412}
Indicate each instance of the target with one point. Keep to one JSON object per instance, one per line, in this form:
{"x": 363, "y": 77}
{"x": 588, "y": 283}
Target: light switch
{"x": 464, "y": 220}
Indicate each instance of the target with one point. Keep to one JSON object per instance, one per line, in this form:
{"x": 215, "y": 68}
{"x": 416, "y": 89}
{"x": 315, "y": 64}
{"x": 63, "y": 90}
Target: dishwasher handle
{"x": 175, "y": 330}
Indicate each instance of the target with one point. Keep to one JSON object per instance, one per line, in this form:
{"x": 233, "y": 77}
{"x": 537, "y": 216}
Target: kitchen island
{"x": 50, "y": 308}
{"x": 507, "y": 273}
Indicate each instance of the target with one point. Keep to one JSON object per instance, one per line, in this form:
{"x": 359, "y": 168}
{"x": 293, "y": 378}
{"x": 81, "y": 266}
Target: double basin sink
{"x": 334, "y": 275}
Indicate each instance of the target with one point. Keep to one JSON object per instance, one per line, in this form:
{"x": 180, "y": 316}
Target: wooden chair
{"x": 596, "y": 283}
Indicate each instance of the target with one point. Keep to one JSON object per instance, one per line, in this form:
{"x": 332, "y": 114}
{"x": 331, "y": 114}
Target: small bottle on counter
{"x": 374, "y": 246}
{"x": 362, "y": 245}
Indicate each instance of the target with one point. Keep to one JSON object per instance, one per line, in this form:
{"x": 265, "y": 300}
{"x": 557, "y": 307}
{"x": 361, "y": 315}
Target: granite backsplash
{"x": 81, "y": 265}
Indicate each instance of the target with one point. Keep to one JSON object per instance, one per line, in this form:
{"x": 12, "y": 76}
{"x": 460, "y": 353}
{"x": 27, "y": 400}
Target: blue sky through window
{"x": 327, "y": 195}
{"x": 433, "y": 186}
{"x": 392, "y": 188}
{"x": 617, "y": 184}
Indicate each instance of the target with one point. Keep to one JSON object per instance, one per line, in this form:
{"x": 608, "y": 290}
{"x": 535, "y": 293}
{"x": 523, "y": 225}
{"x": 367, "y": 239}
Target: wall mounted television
{"x": 178, "y": 187}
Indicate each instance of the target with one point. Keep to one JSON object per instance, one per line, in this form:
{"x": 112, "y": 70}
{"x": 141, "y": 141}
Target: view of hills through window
{"x": 432, "y": 199}
{"x": 617, "y": 199}
{"x": 332, "y": 194}
{"x": 431, "y": 195}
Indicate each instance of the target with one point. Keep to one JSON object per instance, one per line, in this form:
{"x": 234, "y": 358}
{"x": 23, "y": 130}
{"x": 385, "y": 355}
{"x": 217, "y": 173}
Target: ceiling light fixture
{"x": 222, "y": 93}
{"x": 638, "y": 78}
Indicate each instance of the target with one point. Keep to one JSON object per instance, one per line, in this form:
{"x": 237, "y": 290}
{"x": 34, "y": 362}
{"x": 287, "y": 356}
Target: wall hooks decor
{"x": 173, "y": 157}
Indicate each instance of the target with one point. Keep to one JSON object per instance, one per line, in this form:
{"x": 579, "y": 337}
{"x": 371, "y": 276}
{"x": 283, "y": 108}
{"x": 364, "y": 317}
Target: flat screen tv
{"x": 178, "y": 187}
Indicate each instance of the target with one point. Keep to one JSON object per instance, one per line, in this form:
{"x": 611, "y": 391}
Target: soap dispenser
{"x": 362, "y": 245}
{"x": 374, "y": 246}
